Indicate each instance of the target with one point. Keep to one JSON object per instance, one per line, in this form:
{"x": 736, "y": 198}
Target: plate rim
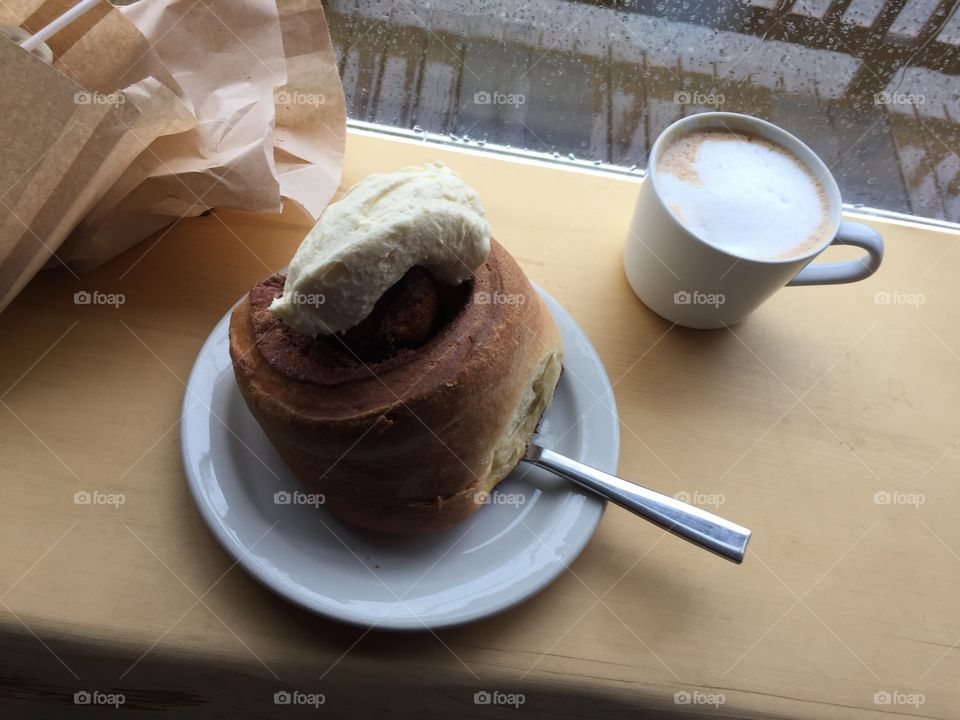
{"x": 291, "y": 592}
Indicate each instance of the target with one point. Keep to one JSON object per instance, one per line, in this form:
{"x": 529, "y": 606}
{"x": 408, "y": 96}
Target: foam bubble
{"x": 743, "y": 194}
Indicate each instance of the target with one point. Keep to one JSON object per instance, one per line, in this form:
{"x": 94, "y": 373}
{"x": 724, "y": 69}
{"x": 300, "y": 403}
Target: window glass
{"x": 871, "y": 85}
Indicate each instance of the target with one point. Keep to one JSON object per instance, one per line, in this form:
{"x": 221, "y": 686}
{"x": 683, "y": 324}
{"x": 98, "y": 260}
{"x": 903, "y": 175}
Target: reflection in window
{"x": 871, "y": 85}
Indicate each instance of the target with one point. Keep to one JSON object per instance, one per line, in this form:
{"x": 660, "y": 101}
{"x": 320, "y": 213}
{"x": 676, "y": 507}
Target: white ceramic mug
{"x": 689, "y": 281}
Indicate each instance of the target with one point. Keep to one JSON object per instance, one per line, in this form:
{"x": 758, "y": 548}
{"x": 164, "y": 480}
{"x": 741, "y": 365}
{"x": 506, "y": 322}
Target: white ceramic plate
{"x": 533, "y": 528}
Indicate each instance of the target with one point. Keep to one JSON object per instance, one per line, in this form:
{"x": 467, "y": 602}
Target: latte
{"x": 743, "y": 194}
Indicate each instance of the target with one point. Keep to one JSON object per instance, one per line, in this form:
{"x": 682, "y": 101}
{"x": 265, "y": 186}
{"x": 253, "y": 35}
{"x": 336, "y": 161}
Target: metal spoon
{"x": 726, "y": 539}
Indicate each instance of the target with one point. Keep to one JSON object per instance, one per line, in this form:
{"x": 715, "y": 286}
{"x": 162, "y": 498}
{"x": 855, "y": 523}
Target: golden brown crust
{"x": 405, "y": 444}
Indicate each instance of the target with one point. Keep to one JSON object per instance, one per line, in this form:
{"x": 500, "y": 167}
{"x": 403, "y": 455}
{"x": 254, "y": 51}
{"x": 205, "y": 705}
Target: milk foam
{"x": 743, "y": 194}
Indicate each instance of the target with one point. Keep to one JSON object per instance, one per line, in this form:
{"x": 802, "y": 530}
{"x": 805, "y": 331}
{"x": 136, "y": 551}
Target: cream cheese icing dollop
{"x": 384, "y": 225}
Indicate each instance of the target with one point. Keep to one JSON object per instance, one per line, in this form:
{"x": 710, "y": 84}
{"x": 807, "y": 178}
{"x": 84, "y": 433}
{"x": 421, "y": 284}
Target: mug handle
{"x": 848, "y": 271}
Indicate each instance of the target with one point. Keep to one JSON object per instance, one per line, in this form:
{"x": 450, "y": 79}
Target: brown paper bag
{"x": 64, "y": 144}
{"x": 309, "y": 145}
{"x": 232, "y": 103}
{"x": 71, "y": 130}
{"x": 271, "y": 120}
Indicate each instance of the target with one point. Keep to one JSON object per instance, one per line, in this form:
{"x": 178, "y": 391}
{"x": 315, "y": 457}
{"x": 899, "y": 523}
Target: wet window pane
{"x": 871, "y": 85}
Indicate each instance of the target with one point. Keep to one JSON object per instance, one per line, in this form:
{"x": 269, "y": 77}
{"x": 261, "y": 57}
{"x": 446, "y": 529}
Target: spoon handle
{"x": 713, "y": 533}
